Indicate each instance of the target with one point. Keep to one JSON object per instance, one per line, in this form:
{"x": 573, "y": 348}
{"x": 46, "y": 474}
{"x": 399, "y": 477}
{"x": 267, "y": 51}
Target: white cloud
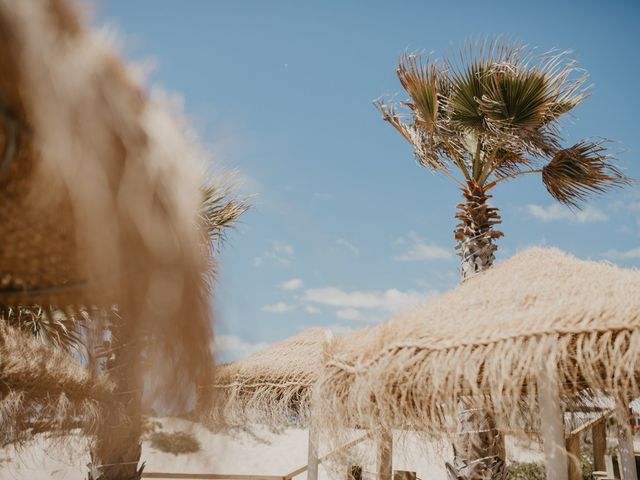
{"x": 231, "y": 344}
{"x": 280, "y": 307}
{"x": 631, "y": 254}
{"x": 633, "y": 205}
{"x": 348, "y": 245}
{"x": 555, "y": 212}
{"x": 348, "y": 314}
{"x": 392, "y": 300}
{"x": 281, "y": 254}
{"x": 293, "y": 284}
{"x": 420, "y": 250}
{"x": 311, "y": 309}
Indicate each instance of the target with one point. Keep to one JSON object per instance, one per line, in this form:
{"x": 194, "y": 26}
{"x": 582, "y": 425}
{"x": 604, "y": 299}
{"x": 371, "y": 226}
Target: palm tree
{"x": 485, "y": 119}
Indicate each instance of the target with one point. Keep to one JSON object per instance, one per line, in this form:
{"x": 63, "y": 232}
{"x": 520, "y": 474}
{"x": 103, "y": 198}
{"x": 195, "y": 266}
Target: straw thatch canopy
{"x": 272, "y": 387}
{"x": 100, "y": 190}
{"x": 488, "y": 340}
{"x": 44, "y": 389}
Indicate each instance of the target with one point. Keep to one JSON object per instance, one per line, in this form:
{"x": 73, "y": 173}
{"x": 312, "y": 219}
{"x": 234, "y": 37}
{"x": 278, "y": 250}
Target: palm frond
{"x": 219, "y": 211}
{"x": 425, "y": 148}
{"x": 579, "y": 171}
{"x": 501, "y": 88}
{"x": 49, "y": 325}
{"x": 467, "y": 88}
{"x": 421, "y": 83}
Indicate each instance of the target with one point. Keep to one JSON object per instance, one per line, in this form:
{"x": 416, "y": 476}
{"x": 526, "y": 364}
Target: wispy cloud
{"x": 234, "y": 346}
{"x": 348, "y": 314}
{"x": 311, "y": 309}
{"x": 632, "y": 254}
{"x": 556, "y": 212}
{"x": 390, "y": 301}
{"x": 419, "y": 250}
{"x": 348, "y": 245}
{"x": 281, "y": 254}
{"x": 631, "y": 204}
{"x": 280, "y": 307}
{"x": 293, "y": 284}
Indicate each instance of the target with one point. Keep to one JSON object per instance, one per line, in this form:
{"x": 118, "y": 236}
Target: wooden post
{"x": 627, "y": 458}
{"x": 552, "y": 425}
{"x": 573, "y": 457}
{"x": 599, "y": 439}
{"x": 385, "y": 456}
{"x": 312, "y": 456}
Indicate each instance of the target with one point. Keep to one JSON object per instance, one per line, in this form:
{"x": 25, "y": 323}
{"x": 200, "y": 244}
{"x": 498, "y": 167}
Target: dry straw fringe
{"x": 271, "y": 387}
{"x": 45, "y": 390}
{"x": 104, "y": 192}
{"x": 487, "y": 340}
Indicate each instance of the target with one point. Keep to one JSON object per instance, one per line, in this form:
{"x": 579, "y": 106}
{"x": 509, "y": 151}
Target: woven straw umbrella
{"x": 100, "y": 205}
{"x": 539, "y": 329}
{"x": 272, "y": 387}
{"x": 44, "y": 389}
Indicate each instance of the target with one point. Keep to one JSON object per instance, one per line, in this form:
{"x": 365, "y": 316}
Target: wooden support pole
{"x": 385, "y": 456}
{"x": 599, "y": 439}
{"x": 627, "y": 458}
{"x": 312, "y": 455}
{"x": 552, "y": 425}
{"x": 573, "y": 457}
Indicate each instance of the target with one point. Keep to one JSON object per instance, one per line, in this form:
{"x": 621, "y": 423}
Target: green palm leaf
{"x": 467, "y": 89}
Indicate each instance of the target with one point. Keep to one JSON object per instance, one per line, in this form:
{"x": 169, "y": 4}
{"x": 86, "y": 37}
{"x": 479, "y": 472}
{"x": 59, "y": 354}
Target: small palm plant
{"x": 481, "y": 121}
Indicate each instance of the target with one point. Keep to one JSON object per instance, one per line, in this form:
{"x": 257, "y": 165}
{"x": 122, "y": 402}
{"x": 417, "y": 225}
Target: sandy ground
{"x": 258, "y": 452}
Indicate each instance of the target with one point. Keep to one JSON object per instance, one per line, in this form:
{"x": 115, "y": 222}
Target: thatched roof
{"x": 100, "y": 189}
{"x": 271, "y": 387}
{"x": 44, "y": 389}
{"x": 488, "y": 339}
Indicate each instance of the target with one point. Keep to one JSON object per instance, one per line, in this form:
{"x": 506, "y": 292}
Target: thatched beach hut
{"x": 45, "y": 390}
{"x": 540, "y": 329}
{"x": 271, "y": 387}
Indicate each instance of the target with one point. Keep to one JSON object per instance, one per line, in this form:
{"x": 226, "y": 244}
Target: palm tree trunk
{"x": 478, "y": 446}
{"x": 115, "y": 455}
{"x": 475, "y": 234}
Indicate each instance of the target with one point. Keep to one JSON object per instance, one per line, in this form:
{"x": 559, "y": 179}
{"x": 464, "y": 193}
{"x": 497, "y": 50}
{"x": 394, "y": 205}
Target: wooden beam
{"x": 573, "y": 457}
{"x": 599, "y": 440}
{"x": 209, "y": 476}
{"x": 592, "y": 423}
{"x": 385, "y": 456}
{"x": 552, "y": 425}
{"x": 625, "y": 444}
{"x": 346, "y": 446}
{"x": 312, "y": 456}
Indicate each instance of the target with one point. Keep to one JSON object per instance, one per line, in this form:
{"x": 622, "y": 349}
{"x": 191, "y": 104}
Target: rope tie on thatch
{"x": 37, "y": 291}
{"x": 262, "y": 384}
{"x": 113, "y": 464}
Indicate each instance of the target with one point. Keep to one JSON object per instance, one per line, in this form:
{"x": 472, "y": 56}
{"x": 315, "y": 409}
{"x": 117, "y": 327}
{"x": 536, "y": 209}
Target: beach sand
{"x": 257, "y": 452}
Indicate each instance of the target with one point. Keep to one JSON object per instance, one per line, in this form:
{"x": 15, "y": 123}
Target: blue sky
{"x": 346, "y": 229}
